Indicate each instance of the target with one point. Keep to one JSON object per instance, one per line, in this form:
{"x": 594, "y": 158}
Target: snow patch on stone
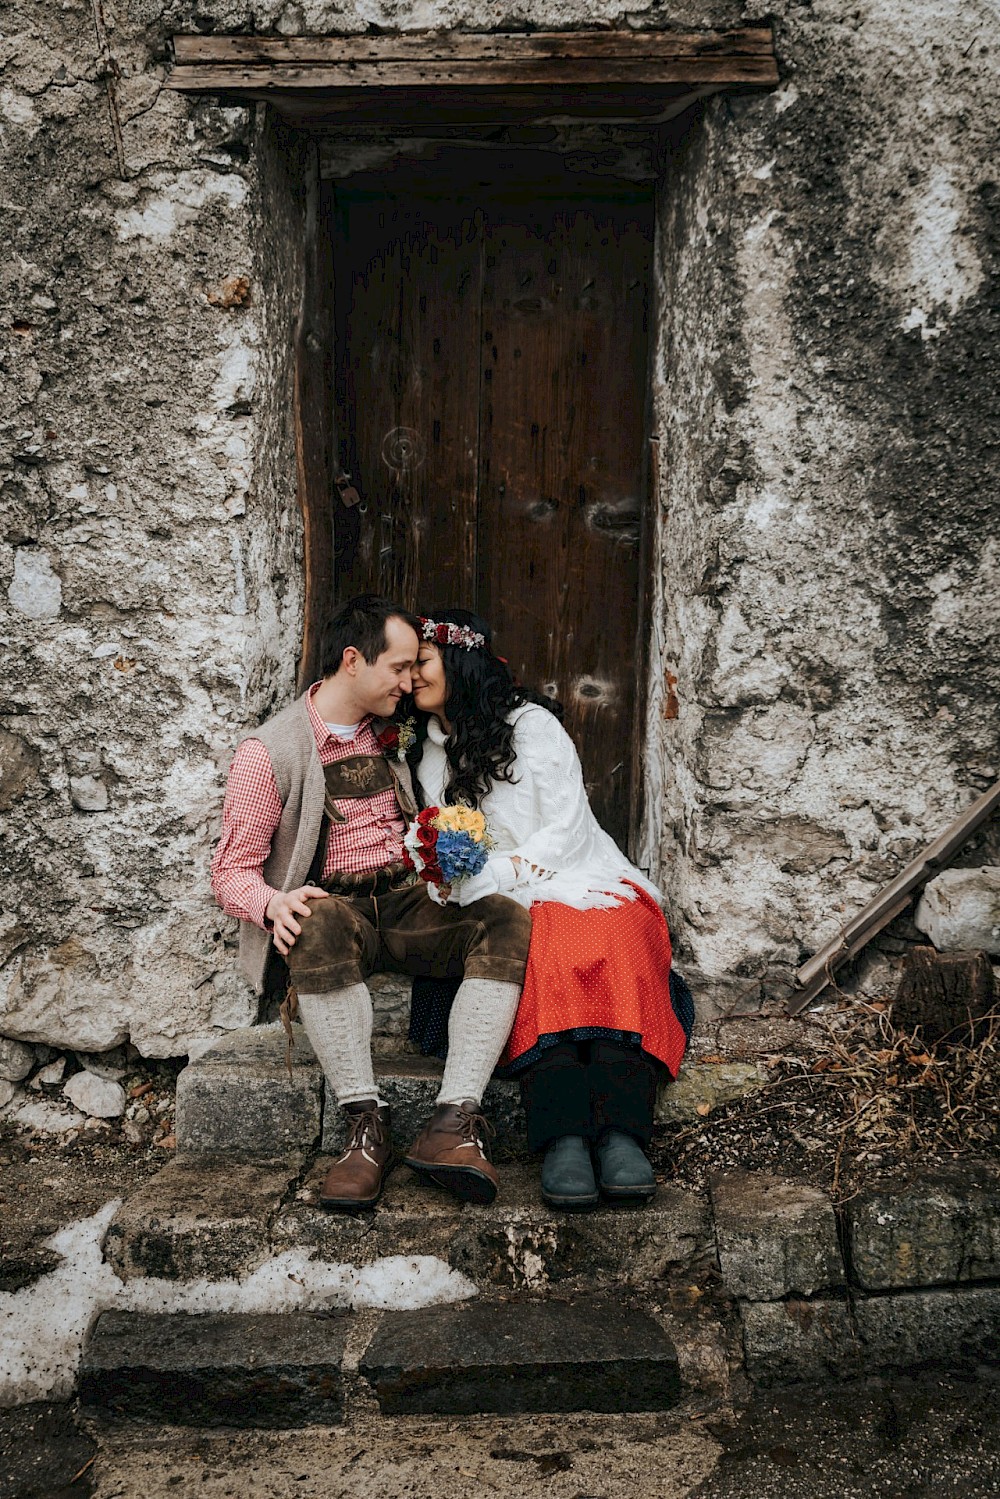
{"x": 292, "y": 1282}
{"x": 404, "y": 1282}
{"x": 42, "y": 1327}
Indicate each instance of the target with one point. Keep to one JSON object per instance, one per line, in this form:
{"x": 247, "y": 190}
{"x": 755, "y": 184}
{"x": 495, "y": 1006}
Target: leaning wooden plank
{"x": 814, "y": 976}
{"x": 861, "y": 939}
{"x": 430, "y": 46}
{"x": 263, "y": 78}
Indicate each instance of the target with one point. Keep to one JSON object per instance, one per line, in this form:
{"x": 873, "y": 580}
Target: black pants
{"x": 587, "y": 1087}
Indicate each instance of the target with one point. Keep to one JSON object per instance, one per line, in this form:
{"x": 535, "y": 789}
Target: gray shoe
{"x": 622, "y": 1169}
{"x": 568, "y": 1174}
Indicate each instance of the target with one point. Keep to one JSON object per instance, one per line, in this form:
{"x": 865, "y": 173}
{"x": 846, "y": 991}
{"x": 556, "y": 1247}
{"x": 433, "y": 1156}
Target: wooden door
{"x": 491, "y": 412}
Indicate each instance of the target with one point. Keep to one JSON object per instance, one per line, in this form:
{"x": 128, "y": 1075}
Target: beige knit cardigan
{"x": 291, "y": 746}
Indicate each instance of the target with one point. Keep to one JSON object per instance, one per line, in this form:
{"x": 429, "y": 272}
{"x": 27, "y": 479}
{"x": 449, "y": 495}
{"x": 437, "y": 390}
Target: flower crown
{"x": 444, "y": 634}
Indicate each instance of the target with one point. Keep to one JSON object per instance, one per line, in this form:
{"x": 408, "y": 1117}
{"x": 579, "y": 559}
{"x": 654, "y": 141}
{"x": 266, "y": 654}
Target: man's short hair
{"x": 361, "y": 622}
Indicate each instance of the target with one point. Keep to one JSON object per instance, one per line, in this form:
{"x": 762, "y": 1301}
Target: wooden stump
{"x": 945, "y": 993}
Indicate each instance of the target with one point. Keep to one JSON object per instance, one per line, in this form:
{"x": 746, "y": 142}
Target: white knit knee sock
{"x": 478, "y": 1027}
{"x": 339, "y": 1025}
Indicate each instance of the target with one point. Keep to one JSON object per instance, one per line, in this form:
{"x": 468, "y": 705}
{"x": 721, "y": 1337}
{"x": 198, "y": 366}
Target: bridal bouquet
{"x": 447, "y": 844}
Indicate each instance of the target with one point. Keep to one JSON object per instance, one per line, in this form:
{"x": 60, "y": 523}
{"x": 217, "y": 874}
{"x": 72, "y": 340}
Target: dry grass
{"x": 868, "y": 1101}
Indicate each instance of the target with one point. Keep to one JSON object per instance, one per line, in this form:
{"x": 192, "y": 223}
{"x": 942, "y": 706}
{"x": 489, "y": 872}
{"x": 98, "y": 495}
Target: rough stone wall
{"x": 827, "y": 398}
{"x": 826, "y": 366}
{"x": 149, "y": 561}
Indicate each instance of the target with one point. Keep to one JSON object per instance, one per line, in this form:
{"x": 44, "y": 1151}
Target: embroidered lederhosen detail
{"x": 354, "y": 777}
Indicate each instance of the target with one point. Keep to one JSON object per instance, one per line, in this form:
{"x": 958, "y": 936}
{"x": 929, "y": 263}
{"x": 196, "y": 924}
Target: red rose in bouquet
{"x": 447, "y": 844}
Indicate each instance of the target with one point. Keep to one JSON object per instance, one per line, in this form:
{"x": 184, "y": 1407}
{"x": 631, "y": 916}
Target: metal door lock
{"x": 348, "y": 494}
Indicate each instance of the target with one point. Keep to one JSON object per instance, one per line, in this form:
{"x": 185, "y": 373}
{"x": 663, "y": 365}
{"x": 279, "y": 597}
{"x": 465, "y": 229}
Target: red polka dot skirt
{"x": 599, "y": 970}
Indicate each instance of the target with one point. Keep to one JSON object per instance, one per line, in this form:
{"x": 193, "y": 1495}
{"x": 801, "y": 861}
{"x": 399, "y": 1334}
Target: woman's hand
{"x": 282, "y": 910}
{"x": 498, "y": 877}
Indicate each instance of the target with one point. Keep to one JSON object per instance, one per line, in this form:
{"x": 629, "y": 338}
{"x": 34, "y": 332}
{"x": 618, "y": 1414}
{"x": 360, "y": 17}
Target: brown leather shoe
{"x": 356, "y": 1179}
{"x": 453, "y": 1150}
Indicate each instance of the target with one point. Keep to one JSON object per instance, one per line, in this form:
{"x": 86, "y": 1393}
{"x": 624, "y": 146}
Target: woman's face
{"x": 430, "y": 690}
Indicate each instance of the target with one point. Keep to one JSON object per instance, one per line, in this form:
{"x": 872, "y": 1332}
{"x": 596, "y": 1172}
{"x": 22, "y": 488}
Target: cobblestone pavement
{"x": 901, "y": 1438}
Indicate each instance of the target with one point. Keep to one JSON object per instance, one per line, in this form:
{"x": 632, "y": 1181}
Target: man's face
{"x": 380, "y": 685}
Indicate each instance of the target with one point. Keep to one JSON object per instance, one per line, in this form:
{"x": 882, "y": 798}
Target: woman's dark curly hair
{"x": 482, "y": 693}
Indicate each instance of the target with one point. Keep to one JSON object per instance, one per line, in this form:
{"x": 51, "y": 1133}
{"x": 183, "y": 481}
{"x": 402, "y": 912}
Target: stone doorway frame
{"x": 411, "y": 85}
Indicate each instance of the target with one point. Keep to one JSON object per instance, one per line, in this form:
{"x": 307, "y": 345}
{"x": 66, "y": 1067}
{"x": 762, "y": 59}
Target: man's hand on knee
{"x": 282, "y": 910}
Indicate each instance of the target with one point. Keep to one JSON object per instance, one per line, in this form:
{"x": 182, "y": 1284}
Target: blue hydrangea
{"x": 459, "y": 855}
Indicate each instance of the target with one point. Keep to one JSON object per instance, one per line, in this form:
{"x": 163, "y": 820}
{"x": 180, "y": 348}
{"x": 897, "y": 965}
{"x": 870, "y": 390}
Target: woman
{"x": 595, "y": 1027}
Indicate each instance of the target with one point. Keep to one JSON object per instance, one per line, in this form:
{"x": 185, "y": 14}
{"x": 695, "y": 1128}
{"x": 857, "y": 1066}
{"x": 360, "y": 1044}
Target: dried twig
{"x": 870, "y": 1100}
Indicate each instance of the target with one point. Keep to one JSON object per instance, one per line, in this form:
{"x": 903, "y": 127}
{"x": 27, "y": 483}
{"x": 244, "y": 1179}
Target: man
{"x": 310, "y": 861}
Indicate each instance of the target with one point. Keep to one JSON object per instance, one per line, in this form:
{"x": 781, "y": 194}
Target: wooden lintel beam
{"x": 756, "y": 41}
{"x": 265, "y": 67}
{"x": 262, "y": 79}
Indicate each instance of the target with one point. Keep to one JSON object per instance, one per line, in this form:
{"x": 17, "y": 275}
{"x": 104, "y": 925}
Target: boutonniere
{"x": 396, "y": 738}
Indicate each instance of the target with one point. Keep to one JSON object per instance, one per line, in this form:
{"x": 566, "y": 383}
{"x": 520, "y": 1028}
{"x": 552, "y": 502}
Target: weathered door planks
{"x": 491, "y": 400}
{"x": 409, "y": 329}
{"x": 562, "y": 466}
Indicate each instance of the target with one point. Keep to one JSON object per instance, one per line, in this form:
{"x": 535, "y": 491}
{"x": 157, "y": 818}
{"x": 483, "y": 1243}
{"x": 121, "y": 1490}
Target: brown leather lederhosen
{"x": 380, "y": 921}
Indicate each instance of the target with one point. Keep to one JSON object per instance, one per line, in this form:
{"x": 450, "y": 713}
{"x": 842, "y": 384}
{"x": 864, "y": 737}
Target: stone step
{"x": 212, "y": 1216}
{"x": 238, "y": 1099}
{"x": 391, "y": 1005}
{"x": 593, "y": 1353}
{"x": 247, "y": 1370}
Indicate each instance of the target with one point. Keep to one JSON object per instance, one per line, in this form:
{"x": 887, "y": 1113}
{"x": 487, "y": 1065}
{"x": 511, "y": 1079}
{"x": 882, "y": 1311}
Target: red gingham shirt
{"x": 371, "y": 837}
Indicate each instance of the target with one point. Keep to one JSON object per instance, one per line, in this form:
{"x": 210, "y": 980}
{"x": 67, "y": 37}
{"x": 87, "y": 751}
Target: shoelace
{"x": 477, "y": 1130}
{"x": 367, "y": 1129}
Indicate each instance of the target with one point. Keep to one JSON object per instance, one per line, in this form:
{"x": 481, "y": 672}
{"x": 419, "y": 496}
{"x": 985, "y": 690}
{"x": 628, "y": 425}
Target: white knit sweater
{"x": 544, "y": 818}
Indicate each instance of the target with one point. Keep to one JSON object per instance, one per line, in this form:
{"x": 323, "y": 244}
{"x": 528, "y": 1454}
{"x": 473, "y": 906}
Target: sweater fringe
{"x": 584, "y": 892}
